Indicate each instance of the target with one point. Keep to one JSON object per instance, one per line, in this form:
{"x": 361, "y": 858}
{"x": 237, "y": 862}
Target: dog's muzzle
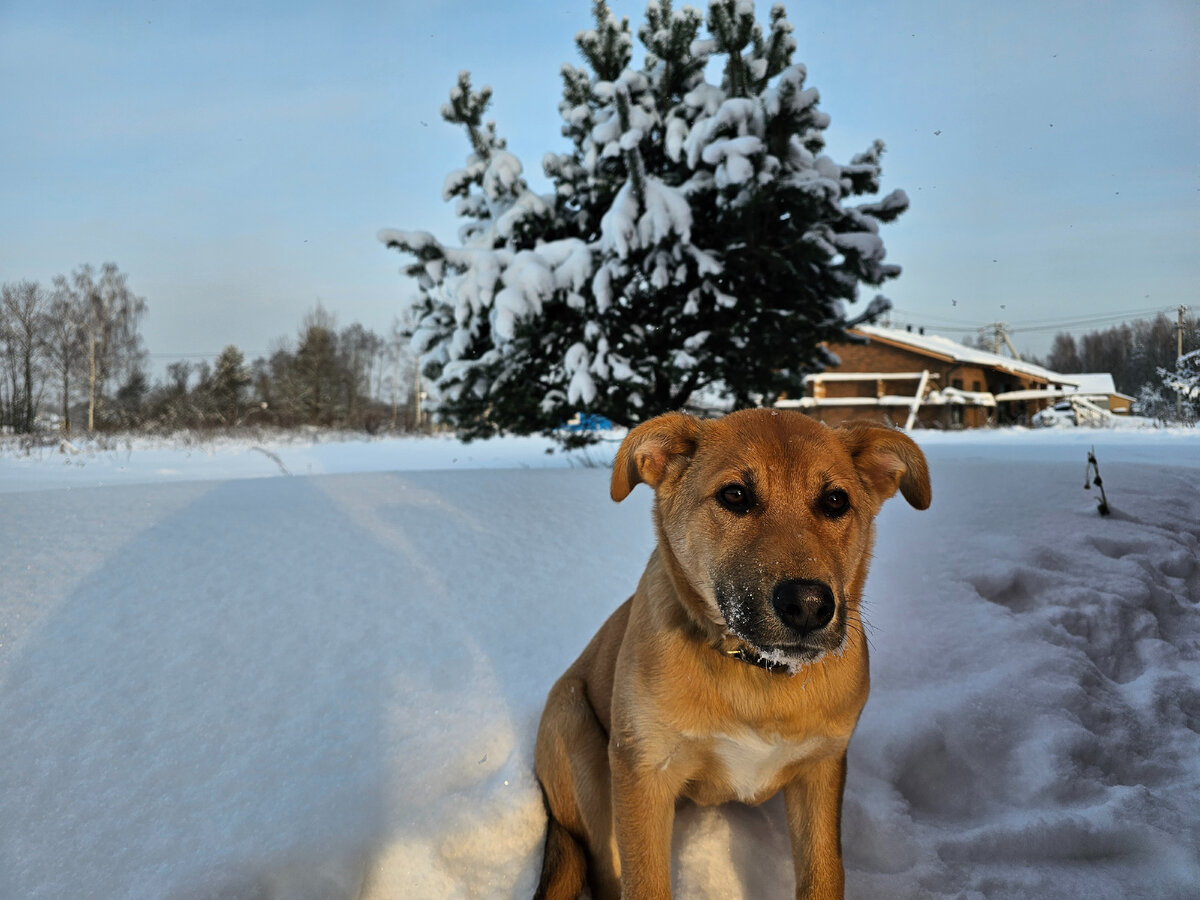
{"x": 793, "y": 622}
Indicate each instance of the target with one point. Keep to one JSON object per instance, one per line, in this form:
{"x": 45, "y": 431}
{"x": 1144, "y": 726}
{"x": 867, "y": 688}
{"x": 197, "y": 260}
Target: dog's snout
{"x": 803, "y": 605}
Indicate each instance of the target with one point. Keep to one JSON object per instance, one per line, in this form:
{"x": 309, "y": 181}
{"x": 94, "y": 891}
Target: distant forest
{"x": 1132, "y": 352}
{"x": 72, "y": 358}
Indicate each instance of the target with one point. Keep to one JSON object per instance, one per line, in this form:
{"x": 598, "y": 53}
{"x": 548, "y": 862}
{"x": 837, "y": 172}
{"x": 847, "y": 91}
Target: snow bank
{"x": 214, "y": 684}
{"x": 1032, "y": 729}
{"x": 149, "y": 460}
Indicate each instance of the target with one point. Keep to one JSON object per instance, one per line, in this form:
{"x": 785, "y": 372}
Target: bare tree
{"x": 404, "y": 370}
{"x": 1064, "y": 355}
{"x": 64, "y": 342}
{"x": 111, "y": 314}
{"x": 358, "y": 347}
{"x": 24, "y": 309}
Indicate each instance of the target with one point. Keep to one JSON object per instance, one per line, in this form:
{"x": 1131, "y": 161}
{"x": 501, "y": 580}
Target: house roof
{"x": 1098, "y": 384}
{"x": 944, "y": 348}
{"x": 1095, "y": 383}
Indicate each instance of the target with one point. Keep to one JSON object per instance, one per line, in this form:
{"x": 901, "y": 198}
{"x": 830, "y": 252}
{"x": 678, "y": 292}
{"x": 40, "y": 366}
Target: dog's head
{"x": 767, "y": 516}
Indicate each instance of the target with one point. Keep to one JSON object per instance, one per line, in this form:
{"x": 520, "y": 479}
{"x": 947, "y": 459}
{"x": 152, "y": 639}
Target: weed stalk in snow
{"x": 1089, "y": 480}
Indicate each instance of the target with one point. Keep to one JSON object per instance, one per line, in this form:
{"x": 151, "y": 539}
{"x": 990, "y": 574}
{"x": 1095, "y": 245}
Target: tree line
{"x": 1141, "y": 355}
{"x": 72, "y": 357}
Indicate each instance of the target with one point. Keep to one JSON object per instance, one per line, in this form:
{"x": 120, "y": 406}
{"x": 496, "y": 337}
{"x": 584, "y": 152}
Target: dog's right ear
{"x": 648, "y": 451}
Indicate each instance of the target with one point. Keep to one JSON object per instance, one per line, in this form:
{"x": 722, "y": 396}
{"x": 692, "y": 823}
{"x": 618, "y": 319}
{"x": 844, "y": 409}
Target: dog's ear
{"x": 888, "y": 460}
{"x": 648, "y": 451}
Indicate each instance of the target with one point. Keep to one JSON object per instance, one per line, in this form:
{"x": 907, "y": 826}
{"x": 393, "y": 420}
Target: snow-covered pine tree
{"x": 1184, "y": 380}
{"x": 696, "y": 235}
{"x": 1151, "y": 403}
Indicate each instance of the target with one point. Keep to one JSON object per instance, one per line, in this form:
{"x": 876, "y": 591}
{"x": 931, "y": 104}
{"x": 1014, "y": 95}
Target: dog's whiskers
{"x": 857, "y": 623}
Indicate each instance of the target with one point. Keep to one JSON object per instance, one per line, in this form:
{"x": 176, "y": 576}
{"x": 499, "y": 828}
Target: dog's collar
{"x": 749, "y": 656}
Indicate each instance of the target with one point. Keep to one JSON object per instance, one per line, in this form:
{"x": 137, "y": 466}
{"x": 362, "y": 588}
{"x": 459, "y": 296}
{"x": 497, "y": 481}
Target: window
{"x": 956, "y": 383}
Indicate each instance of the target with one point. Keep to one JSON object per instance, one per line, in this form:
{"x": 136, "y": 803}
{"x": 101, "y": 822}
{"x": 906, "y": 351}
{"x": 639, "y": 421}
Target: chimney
{"x": 922, "y": 329}
{"x": 909, "y": 327}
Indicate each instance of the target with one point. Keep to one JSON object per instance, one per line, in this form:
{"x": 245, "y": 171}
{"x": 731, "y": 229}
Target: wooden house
{"x": 911, "y": 379}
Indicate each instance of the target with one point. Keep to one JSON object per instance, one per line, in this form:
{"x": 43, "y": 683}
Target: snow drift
{"x": 327, "y": 685}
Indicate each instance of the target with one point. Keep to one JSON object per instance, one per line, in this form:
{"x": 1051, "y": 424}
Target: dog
{"x": 738, "y": 668}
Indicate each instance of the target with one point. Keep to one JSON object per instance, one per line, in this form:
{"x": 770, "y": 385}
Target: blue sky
{"x": 237, "y": 159}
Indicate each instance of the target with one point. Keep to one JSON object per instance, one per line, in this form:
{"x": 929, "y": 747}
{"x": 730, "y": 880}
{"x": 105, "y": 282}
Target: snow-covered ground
{"x": 219, "y": 680}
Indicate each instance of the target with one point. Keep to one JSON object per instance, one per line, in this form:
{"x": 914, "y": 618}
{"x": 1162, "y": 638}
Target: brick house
{"x": 911, "y": 379}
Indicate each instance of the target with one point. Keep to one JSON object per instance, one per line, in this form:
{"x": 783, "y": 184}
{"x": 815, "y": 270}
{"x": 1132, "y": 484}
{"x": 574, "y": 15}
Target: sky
{"x": 236, "y": 160}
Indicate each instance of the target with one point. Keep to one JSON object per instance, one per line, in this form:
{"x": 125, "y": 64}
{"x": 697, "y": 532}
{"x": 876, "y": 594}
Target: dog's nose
{"x": 803, "y": 605}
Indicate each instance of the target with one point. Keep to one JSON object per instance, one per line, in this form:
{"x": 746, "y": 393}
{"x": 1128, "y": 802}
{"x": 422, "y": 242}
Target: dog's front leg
{"x": 814, "y": 814}
{"x": 644, "y": 815}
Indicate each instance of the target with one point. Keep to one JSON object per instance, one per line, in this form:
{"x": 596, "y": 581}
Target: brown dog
{"x": 738, "y": 668}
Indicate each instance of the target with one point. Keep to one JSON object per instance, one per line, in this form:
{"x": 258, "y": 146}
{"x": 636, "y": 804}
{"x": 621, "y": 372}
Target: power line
{"x": 1033, "y": 326}
{"x": 1069, "y": 326}
{"x": 1052, "y": 324}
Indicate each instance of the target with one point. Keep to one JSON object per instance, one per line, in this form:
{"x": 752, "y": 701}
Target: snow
{"x": 148, "y": 460}
{"x": 416, "y": 241}
{"x": 581, "y": 390}
{"x": 738, "y": 117}
{"x": 677, "y": 132}
{"x": 1100, "y": 383}
{"x": 218, "y": 679}
{"x": 527, "y": 205}
{"x": 863, "y": 243}
{"x": 502, "y": 176}
{"x": 528, "y": 281}
{"x": 1184, "y": 379}
{"x": 571, "y": 260}
{"x": 602, "y": 287}
{"x": 729, "y": 155}
{"x": 661, "y": 214}
{"x": 667, "y": 214}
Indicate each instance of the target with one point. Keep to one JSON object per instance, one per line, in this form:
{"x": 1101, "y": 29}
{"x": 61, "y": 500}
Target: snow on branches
{"x": 1184, "y": 379}
{"x": 696, "y": 235}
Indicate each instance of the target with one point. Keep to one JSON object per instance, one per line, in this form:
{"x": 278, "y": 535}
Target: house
{"x": 1094, "y": 401}
{"x": 912, "y": 379}
{"x": 1099, "y": 388}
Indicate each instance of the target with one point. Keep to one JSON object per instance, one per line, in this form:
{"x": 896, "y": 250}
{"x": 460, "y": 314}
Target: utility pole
{"x": 1000, "y": 336}
{"x": 1008, "y": 343}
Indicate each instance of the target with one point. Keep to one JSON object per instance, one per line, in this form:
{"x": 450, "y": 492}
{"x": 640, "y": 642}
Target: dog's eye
{"x": 735, "y": 498}
{"x": 835, "y": 502}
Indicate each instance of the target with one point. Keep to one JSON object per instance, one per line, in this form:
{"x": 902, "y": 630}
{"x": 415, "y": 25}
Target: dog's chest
{"x": 751, "y": 763}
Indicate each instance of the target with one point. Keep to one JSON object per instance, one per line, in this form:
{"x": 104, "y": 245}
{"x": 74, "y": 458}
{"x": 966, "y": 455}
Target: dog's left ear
{"x": 888, "y": 460}
{"x": 648, "y": 452}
